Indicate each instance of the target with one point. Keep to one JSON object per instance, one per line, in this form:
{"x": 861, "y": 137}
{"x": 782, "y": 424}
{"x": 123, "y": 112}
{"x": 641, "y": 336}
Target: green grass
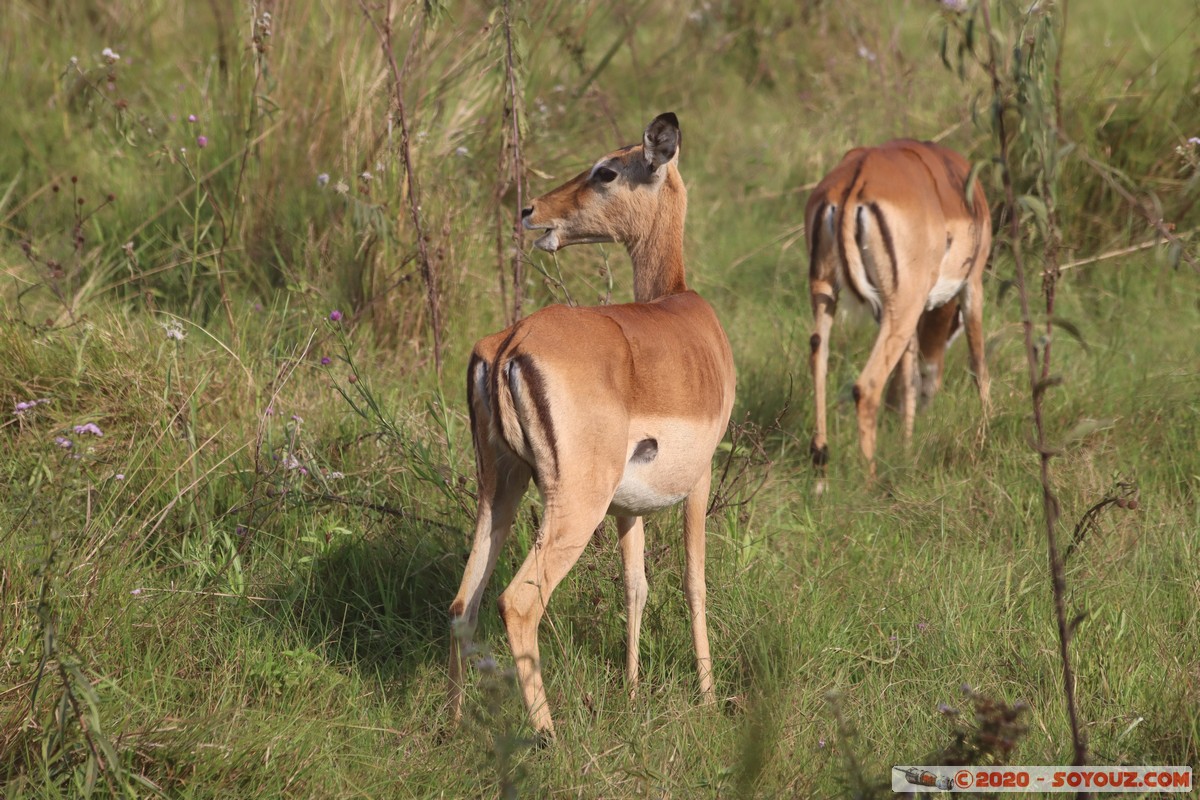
{"x": 229, "y": 626}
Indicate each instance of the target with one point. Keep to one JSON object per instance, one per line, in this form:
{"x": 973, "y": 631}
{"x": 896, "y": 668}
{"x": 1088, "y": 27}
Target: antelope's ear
{"x": 661, "y": 140}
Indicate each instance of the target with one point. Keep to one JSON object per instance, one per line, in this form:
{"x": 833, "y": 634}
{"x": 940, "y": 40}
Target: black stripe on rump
{"x": 814, "y": 239}
{"x": 535, "y": 388}
{"x": 841, "y": 226}
{"x": 495, "y": 376}
{"x": 886, "y": 232}
{"x": 471, "y": 367}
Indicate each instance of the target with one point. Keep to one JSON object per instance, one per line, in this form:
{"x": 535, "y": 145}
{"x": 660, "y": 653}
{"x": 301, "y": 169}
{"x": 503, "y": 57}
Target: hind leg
{"x": 565, "y": 533}
{"x": 972, "y": 305}
{"x": 633, "y": 556}
{"x": 502, "y": 485}
{"x": 935, "y": 331}
{"x": 897, "y": 327}
{"x": 695, "y": 512}
{"x": 824, "y": 305}
{"x": 907, "y": 375}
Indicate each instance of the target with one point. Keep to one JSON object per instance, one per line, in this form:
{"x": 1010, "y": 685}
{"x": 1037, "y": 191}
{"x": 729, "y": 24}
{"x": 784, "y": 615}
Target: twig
{"x": 1164, "y": 228}
{"x": 518, "y": 166}
{"x": 1126, "y": 496}
{"x": 1121, "y": 251}
{"x": 392, "y": 511}
{"x": 259, "y": 42}
{"x": 1049, "y": 501}
{"x": 384, "y": 31}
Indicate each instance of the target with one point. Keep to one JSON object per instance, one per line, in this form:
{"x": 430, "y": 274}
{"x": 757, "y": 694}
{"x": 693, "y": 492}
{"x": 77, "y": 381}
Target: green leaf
{"x": 1006, "y": 284}
{"x": 1072, "y": 329}
{"x": 969, "y": 185}
{"x": 1086, "y": 427}
{"x": 1042, "y": 385}
{"x": 1038, "y": 208}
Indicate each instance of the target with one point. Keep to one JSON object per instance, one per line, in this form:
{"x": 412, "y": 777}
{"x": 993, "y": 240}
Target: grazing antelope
{"x": 893, "y": 224}
{"x": 610, "y": 410}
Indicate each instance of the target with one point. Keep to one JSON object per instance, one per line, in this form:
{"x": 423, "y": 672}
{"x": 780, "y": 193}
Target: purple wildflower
{"x": 28, "y": 405}
{"x": 173, "y": 330}
{"x": 136, "y": 592}
{"x": 326, "y": 361}
{"x": 191, "y": 118}
{"x": 922, "y": 625}
{"x": 335, "y": 316}
{"x": 1195, "y": 140}
{"x": 120, "y": 476}
{"x": 296, "y": 418}
{"x": 63, "y": 442}
{"x": 90, "y": 427}
{"x": 201, "y": 141}
{"x": 821, "y": 743}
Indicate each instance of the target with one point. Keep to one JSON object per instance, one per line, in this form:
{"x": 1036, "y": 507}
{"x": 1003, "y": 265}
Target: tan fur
{"x": 892, "y": 224}
{"x": 571, "y": 397}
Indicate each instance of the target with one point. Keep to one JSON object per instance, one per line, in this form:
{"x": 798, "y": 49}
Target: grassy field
{"x": 236, "y": 583}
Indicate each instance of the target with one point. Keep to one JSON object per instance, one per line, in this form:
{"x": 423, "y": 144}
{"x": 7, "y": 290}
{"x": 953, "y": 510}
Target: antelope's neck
{"x": 657, "y": 255}
{"x": 657, "y": 271}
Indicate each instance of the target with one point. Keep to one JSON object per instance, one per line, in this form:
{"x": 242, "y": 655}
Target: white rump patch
{"x": 943, "y": 291}
{"x": 856, "y": 262}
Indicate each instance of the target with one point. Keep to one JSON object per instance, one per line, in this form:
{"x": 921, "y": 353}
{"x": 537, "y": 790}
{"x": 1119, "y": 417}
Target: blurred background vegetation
{"x": 240, "y": 587}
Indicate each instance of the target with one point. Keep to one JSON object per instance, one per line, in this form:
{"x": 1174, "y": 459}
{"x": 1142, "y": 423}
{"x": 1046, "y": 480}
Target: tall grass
{"x": 240, "y": 587}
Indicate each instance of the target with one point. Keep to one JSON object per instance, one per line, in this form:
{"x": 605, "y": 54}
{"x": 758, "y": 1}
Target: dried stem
{"x": 517, "y": 175}
{"x": 1037, "y": 381}
{"x": 1165, "y": 229}
{"x": 384, "y": 31}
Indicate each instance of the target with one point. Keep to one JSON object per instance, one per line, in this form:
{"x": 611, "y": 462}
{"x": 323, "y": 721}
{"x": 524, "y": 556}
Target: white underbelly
{"x": 683, "y": 452}
{"x": 636, "y": 496}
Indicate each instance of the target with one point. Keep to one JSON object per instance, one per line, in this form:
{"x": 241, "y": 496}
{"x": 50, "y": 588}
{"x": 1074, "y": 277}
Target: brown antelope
{"x": 610, "y": 410}
{"x": 893, "y": 224}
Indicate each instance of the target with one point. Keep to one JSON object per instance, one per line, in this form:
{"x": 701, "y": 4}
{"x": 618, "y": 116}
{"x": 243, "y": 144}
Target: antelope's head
{"x": 624, "y": 196}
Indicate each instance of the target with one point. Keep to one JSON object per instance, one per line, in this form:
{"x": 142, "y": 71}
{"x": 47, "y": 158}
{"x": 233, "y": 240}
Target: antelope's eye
{"x": 604, "y": 175}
